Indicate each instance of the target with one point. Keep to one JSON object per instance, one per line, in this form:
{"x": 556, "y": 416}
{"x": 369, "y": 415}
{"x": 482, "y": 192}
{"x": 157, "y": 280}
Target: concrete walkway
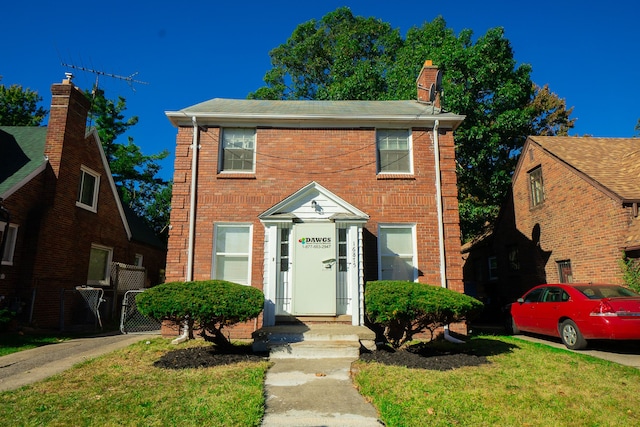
{"x": 315, "y": 392}
{"x": 627, "y": 354}
{"x": 29, "y": 366}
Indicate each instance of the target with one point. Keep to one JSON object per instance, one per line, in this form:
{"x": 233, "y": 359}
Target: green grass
{"x": 14, "y": 342}
{"x": 526, "y": 384}
{"x": 125, "y": 389}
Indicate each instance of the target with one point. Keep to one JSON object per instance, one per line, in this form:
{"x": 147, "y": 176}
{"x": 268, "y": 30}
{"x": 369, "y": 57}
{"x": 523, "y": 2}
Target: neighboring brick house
{"x": 67, "y": 224}
{"x": 309, "y": 200}
{"x": 573, "y": 210}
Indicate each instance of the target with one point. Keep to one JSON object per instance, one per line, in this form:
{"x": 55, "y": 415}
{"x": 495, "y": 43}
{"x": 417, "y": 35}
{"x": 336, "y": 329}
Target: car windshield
{"x": 606, "y": 291}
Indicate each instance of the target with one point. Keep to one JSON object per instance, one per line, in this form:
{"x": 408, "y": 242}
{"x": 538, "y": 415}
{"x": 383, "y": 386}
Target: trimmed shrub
{"x": 403, "y": 309}
{"x": 206, "y": 305}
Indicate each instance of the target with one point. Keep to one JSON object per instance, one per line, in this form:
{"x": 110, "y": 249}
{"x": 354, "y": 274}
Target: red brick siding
{"x": 578, "y": 222}
{"x": 55, "y": 236}
{"x": 341, "y": 160}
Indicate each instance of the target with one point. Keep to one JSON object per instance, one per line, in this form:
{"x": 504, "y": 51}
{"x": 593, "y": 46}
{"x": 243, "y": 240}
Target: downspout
{"x": 192, "y": 221}
{"x": 436, "y": 149}
{"x": 440, "y": 208}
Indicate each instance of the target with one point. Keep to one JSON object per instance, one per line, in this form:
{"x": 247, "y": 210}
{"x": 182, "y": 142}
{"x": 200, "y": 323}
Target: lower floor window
{"x": 99, "y": 265}
{"x": 564, "y": 272}
{"x": 397, "y": 252}
{"x": 232, "y": 253}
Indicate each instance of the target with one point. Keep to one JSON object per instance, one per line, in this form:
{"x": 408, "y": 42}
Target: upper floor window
{"x": 536, "y": 186}
{"x": 9, "y": 242}
{"x": 88, "y": 189}
{"x": 394, "y": 150}
{"x": 238, "y": 150}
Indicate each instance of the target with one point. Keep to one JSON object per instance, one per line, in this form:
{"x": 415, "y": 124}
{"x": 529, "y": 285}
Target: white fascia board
{"x": 179, "y": 119}
{"x": 26, "y": 179}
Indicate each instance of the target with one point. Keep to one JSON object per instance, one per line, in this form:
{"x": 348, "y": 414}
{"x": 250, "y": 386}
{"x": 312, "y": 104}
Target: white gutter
{"x": 436, "y": 149}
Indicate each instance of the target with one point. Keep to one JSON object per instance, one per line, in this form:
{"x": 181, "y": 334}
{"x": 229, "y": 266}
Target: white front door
{"x": 314, "y": 269}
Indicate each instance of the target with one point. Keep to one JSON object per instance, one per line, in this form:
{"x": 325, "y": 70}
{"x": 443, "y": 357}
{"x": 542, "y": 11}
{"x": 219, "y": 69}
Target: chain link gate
{"x": 131, "y": 320}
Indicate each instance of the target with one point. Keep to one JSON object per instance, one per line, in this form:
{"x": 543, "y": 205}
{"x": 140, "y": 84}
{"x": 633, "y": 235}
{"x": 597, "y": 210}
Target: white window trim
{"x": 249, "y": 253}
{"x": 96, "y": 188}
{"x": 107, "y": 279}
{"x": 414, "y": 243}
{"x": 221, "y": 168}
{"x": 10, "y": 245}
{"x": 410, "y": 142}
{"x": 138, "y": 260}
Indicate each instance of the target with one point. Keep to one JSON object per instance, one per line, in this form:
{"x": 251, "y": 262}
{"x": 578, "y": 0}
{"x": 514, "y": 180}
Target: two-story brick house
{"x": 309, "y": 200}
{"x": 66, "y": 224}
{"x": 572, "y": 212}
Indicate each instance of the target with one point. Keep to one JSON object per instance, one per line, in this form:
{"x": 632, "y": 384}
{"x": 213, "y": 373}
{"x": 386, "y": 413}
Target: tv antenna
{"x": 129, "y": 79}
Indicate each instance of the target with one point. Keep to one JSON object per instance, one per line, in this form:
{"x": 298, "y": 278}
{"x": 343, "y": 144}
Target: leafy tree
{"x": 338, "y": 57}
{"x": 404, "y": 309}
{"x": 481, "y": 81}
{"x": 208, "y": 305}
{"x": 134, "y": 173}
{"x": 551, "y": 114}
{"x": 19, "y": 107}
{"x": 637, "y": 128}
{"x": 630, "y": 268}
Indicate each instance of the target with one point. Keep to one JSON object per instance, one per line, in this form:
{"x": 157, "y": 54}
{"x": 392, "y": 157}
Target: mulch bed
{"x": 418, "y": 357}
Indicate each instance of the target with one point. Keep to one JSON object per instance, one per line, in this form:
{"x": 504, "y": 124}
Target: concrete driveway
{"x": 29, "y": 366}
{"x": 624, "y": 353}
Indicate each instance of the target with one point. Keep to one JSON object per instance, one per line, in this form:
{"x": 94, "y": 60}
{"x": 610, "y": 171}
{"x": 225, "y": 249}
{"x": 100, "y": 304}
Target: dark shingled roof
{"x": 21, "y": 154}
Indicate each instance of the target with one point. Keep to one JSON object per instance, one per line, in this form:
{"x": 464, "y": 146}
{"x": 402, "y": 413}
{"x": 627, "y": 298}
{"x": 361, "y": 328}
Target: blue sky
{"x": 192, "y": 51}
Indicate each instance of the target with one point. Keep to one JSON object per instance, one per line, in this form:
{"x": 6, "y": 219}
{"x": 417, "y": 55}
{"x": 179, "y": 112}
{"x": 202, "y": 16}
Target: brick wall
{"x": 576, "y": 222}
{"x": 55, "y": 235}
{"x": 341, "y": 160}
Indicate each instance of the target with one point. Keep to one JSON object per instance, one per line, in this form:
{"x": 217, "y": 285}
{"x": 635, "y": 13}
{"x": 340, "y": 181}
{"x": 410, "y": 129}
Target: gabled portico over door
{"x": 313, "y": 256}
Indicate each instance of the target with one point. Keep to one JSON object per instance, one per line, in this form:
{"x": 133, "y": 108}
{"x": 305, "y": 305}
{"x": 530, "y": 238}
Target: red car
{"x": 578, "y": 312}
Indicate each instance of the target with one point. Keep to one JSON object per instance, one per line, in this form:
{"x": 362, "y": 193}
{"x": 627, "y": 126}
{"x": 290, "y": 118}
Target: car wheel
{"x": 571, "y": 336}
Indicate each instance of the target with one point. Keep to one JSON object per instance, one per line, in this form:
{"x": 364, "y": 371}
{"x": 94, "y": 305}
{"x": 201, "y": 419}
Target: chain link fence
{"x": 131, "y": 320}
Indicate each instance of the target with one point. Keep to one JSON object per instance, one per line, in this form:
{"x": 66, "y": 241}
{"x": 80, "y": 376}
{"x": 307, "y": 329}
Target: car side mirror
{"x": 520, "y": 300}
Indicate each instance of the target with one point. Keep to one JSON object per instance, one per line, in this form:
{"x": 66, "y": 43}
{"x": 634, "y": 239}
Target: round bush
{"x": 404, "y": 308}
{"x": 210, "y": 304}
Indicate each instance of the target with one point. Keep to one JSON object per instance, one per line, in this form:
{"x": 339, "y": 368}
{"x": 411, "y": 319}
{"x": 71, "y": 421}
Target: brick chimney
{"x": 67, "y": 121}
{"x": 428, "y": 83}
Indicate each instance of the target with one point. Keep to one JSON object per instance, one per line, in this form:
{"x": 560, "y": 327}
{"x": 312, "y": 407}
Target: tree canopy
{"x": 19, "y": 107}
{"x": 134, "y": 173}
{"x": 350, "y": 57}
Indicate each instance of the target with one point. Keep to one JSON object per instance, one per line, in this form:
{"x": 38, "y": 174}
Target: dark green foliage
{"x": 19, "y": 107}
{"x": 630, "y": 268}
{"x": 404, "y": 309}
{"x": 6, "y": 316}
{"x": 343, "y": 56}
{"x": 208, "y": 305}
{"x": 134, "y": 173}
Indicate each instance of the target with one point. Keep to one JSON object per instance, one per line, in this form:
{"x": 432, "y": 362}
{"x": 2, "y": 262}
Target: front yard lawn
{"x": 124, "y": 388}
{"x": 524, "y": 384}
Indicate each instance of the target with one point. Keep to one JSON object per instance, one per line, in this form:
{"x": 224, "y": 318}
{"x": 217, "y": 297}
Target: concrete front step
{"x": 313, "y": 341}
{"x": 315, "y": 350}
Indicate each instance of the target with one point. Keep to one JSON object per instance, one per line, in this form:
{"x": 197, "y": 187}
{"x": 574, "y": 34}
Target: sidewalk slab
{"x": 315, "y": 392}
